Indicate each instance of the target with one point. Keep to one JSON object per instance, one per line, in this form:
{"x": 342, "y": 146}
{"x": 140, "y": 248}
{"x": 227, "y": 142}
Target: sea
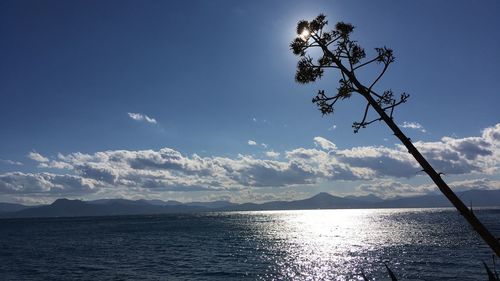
{"x": 416, "y": 244}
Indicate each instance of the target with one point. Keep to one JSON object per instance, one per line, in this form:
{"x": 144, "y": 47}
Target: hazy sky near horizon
{"x": 196, "y": 100}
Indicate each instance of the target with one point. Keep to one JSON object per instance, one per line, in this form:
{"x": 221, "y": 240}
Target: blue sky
{"x": 215, "y": 75}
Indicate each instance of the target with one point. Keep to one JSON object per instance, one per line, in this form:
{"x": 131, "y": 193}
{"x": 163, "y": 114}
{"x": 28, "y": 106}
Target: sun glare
{"x": 305, "y": 34}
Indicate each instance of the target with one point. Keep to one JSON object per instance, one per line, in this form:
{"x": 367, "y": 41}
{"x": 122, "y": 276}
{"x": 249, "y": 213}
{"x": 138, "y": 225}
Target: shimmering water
{"x": 418, "y": 244}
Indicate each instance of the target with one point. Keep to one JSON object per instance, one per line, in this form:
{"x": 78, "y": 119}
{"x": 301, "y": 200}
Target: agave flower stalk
{"x": 340, "y": 53}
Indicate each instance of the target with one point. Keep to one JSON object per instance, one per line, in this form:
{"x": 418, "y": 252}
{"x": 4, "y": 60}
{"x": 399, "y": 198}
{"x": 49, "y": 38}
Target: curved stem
{"x": 426, "y": 166}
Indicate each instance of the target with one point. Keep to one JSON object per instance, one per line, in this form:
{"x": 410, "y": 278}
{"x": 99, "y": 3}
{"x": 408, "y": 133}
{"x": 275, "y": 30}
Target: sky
{"x": 196, "y": 100}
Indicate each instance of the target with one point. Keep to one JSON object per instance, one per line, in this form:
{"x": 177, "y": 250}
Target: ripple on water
{"x": 418, "y": 244}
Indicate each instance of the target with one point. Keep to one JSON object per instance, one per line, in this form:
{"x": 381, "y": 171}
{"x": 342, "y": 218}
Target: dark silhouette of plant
{"x": 391, "y": 274}
{"x": 492, "y": 275}
{"x": 339, "y": 52}
{"x": 389, "y": 271}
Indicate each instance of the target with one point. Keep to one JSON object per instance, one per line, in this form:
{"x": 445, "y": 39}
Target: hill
{"x": 111, "y": 207}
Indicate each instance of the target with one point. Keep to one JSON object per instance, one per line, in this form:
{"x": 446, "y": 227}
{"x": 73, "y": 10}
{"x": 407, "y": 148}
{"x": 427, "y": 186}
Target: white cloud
{"x": 482, "y": 183}
{"x": 389, "y": 188}
{"x": 381, "y": 161}
{"x": 465, "y": 155}
{"x": 11, "y": 162}
{"x": 413, "y": 125}
{"x": 44, "y": 162}
{"x": 449, "y": 155}
{"x": 324, "y": 143}
{"x": 165, "y": 170}
{"x": 29, "y": 183}
{"x": 272, "y": 154}
{"x": 168, "y": 169}
{"x": 142, "y": 117}
{"x": 326, "y": 165}
{"x": 37, "y": 157}
{"x": 53, "y": 164}
{"x": 254, "y": 143}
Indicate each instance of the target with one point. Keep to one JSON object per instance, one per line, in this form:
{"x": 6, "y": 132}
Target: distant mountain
{"x": 136, "y": 202}
{"x": 113, "y": 207}
{"x": 212, "y": 205}
{"x": 162, "y": 203}
{"x": 322, "y": 200}
{"x": 108, "y": 207}
{"x": 476, "y": 198}
{"x": 479, "y": 198}
{"x": 366, "y": 198}
{"x": 11, "y": 207}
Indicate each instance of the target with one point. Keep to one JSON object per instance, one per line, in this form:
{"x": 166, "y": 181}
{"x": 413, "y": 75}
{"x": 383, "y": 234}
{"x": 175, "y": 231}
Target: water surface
{"x": 418, "y": 244}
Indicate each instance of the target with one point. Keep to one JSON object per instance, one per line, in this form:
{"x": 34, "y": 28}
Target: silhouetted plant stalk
{"x": 492, "y": 275}
{"x": 339, "y": 52}
{"x": 389, "y": 271}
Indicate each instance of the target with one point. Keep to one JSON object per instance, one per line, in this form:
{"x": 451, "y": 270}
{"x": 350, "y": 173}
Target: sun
{"x": 305, "y": 34}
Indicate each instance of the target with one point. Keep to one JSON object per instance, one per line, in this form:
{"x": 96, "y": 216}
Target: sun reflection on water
{"x": 320, "y": 243}
{"x": 339, "y": 244}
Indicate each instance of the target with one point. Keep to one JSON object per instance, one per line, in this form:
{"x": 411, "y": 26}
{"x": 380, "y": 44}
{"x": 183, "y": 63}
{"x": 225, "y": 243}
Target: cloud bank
{"x": 167, "y": 169}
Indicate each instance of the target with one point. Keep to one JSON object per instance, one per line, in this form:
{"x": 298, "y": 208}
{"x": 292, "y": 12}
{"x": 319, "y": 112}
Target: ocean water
{"x": 418, "y": 244}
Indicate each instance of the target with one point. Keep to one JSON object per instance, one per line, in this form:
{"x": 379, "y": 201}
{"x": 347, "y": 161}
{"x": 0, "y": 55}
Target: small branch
{"x": 357, "y": 125}
{"x": 363, "y": 123}
{"x": 366, "y": 63}
{"x": 333, "y": 40}
{"x": 323, "y": 66}
{"x": 335, "y": 98}
{"x": 366, "y": 113}
{"x": 386, "y": 65}
{"x": 349, "y": 59}
{"x": 375, "y": 94}
{"x": 343, "y": 75}
{"x": 403, "y": 99}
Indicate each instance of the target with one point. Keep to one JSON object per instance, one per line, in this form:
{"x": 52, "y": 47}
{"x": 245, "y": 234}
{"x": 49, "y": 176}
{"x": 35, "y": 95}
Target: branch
{"x": 322, "y": 101}
{"x": 357, "y": 125}
{"x": 323, "y": 66}
{"x": 392, "y": 108}
{"x": 349, "y": 59}
{"x": 368, "y": 62}
{"x": 386, "y": 65}
{"x": 366, "y": 113}
{"x": 374, "y": 93}
{"x": 333, "y": 41}
{"x": 363, "y": 123}
{"x": 403, "y": 99}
